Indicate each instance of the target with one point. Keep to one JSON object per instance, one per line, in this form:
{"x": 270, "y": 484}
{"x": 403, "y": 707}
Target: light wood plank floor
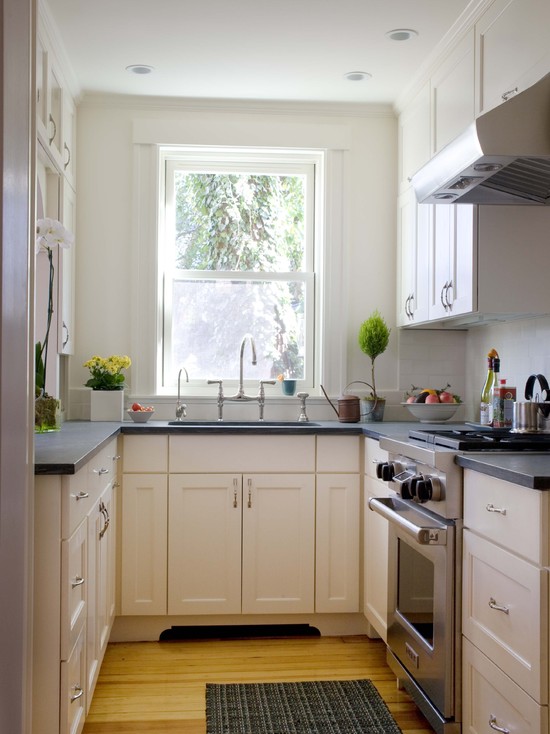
{"x": 159, "y": 687}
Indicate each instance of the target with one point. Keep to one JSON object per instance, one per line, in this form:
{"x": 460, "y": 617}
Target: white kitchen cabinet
{"x": 66, "y": 326}
{"x": 338, "y": 530}
{"x": 375, "y": 606}
{"x": 74, "y": 593}
{"x": 278, "y": 544}
{"x": 144, "y": 540}
{"x": 218, "y": 522}
{"x": 337, "y": 543}
{"x": 414, "y": 134}
{"x": 452, "y": 259}
{"x": 204, "y": 544}
{"x": 512, "y": 50}
{"x": 452, "y": 90}
{"x": 101, "y": 587}
{"x": 56, "y": 112}
{"x": 414, "y": 236}
{"x": 491, "y": 699}
{"x": 505, "y": 606}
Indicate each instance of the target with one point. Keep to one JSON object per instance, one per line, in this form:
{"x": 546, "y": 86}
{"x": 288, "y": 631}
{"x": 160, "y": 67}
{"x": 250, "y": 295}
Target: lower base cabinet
{"x": 230, "y": 542}
{"x": 74, "y": 591}
{"x": 493, "y": 702}
{"x": 274, "y": 516}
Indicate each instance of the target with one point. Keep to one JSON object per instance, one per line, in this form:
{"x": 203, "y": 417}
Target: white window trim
{"x": 330, "y": 357}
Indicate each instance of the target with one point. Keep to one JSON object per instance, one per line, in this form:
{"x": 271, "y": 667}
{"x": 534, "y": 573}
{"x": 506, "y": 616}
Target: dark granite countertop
{"x": 68, "y": 450}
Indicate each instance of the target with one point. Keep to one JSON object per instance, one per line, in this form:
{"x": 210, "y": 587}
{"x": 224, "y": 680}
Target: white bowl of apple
{"x": 431, "y": 405}
{"x": 140, "y": 413}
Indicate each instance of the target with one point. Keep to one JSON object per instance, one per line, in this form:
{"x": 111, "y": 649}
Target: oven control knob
{"x": 385, "y": 471}
{"x": 407, "y": 489}
{"x": 428, "y": 489}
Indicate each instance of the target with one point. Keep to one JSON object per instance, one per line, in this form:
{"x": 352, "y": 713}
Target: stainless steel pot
{"x": 533, "y": 416}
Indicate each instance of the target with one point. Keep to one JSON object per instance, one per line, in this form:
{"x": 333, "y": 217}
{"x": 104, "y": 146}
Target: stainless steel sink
{"x": 243, "y": 424}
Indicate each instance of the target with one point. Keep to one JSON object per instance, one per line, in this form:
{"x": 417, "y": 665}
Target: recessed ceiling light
{"x": 357, "y": 76}
{"x": 139, "y": 69}
{"x": 401, "y": 34}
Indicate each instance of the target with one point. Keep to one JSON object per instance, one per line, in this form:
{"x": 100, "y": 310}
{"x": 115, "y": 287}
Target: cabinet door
{"x": 414, "y": 136}
{"x": 337, "y": 543}
{"x": 502, "y": 591}
{"x": 101, "y": 553}
{"x": 66, "y": 278}
{"x": 452, "y": 273}
{"x": 74, "y": 587}
{"x": 490, "y": 699}
{"x": 512, "y": 49}
{"x": 278, "y": 543}
{"x": 144, "y": 543}
{"x": 72, "y": 709}
{"x": 414, "y": 238}
{"x": 204, "y": 544}
{"x": 376, "y": 532}
{"x": 69, "y": 139}
{"x": 453, "y": 94}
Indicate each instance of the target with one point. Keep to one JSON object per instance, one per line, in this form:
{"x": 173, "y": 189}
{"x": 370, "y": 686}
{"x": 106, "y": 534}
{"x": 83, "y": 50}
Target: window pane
{"x": 239, "y": 221}
{"x": 210, "y": 318}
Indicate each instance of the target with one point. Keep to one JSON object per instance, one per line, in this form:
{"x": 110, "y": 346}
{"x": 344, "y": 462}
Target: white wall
{"x": 105, "y": 248}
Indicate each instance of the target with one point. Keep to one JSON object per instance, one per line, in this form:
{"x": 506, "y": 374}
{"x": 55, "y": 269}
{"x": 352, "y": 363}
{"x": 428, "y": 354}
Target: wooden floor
{"x": 159, "y": 687}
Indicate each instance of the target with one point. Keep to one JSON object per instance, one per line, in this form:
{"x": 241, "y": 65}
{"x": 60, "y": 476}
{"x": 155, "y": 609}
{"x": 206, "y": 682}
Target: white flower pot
{"x": 107, "y": 405}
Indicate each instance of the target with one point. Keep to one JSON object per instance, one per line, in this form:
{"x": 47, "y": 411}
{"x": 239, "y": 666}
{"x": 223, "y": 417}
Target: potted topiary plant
{"x": 373, "y": 339}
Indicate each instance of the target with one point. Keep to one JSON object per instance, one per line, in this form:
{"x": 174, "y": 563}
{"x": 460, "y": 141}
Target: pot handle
{"x": 330, "y": 401}
{"x": 356, "y": 382}
{"x": 530, "y": 384}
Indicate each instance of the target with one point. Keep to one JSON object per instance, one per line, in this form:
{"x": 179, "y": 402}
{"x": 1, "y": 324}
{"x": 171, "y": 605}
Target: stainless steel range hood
{"x": 501, "y": 158}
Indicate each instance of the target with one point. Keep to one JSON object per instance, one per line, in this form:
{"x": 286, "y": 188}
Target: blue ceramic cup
{"x": 289, "y": 387}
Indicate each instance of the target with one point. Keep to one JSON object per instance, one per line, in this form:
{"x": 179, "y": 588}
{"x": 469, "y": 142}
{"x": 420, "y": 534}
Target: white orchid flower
{"x": 51, "y": 233}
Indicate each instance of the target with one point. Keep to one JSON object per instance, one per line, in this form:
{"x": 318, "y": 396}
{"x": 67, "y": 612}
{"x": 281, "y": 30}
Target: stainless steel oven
{"x": 424, "y": 577}
{"x": 425, "y": 559}
{"x": 423, "y": 589}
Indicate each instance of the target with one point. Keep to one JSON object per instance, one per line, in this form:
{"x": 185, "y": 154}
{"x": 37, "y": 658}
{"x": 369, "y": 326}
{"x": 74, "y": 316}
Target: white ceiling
{"x": 295, "y": 50}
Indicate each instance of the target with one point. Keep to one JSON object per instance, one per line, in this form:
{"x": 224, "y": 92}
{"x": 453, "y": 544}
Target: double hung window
{"x": 239, "y": 254}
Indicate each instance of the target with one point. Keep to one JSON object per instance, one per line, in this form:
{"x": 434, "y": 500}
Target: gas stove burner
{"x": 490, "y": 439}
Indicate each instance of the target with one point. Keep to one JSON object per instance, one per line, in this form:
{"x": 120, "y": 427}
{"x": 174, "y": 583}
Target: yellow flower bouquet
{"x": 107, "y": 372}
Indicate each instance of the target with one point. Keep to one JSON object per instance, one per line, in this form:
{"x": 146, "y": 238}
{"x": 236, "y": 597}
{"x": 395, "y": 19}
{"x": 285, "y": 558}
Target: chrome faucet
{"x": 240, "y": 395}
{"x": 181, "y": 408}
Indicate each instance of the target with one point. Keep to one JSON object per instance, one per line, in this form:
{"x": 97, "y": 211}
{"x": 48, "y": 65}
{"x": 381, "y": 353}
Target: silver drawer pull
{"x": 499, "y": 608}
{"x": 100, "y": 471}
{"x": 491, "y": 508}
{"x": 78, "y": 581}
{"x": 81, "y": 496}
{"x": 493, "y": 724}
{"x": 78, "y": 693}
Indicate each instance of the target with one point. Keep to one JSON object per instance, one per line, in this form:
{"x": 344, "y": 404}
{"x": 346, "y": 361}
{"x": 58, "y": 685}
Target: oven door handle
{"x": 430, "y": 533}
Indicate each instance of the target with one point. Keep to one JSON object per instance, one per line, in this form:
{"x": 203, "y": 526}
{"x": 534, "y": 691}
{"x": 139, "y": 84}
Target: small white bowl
{"x": 432, "y": 412}
{"x": 140, "y": 416}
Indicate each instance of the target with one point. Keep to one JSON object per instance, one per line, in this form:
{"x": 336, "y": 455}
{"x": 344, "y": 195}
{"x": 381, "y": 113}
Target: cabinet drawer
{"x": 81, "y": 490}
{"x": 338, "y": 454}
{"x": 505, "y": 609}
{"x": 196, "y": 454}
{"x": 73, "y": 687}
{"x": 508, "y": 514}
{"x": 74, "y": 587}
{"x": 143, "y": 454}
{"x": 373, "y": 454}
{"x": 490, "y": 697}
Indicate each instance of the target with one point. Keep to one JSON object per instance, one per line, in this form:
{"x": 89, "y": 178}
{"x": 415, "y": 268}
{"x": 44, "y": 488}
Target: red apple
{"x": 445, "y": 397}
{"x": 411, "y": 399}
{"x": 431, "y": 399}
{"x": 136, "y": 406}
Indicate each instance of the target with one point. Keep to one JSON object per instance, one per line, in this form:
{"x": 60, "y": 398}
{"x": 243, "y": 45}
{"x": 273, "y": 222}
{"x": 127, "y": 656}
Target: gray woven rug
{"x": 319, "y": 707}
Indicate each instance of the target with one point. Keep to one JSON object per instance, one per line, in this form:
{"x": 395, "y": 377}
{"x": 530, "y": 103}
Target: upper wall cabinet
{"x": 56, "y": 116}
{"x": 452, "y": 89}
{"x": 414, "y": 136}
{"x": 512, "y": 49}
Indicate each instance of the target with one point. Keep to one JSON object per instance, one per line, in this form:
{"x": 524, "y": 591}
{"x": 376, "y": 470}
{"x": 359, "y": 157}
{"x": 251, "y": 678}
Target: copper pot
{"x": 349, "y": 406}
